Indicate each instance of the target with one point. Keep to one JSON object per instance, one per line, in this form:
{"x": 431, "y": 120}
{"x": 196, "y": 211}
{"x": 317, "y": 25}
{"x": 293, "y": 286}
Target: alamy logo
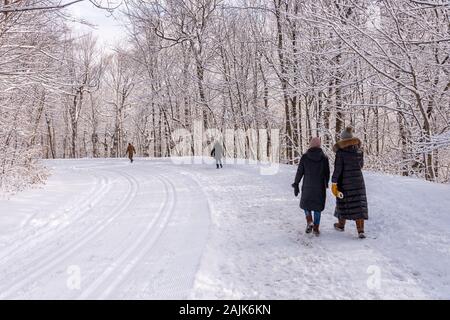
{"x": 258, "y": 147}
{"x": 374, "y": 279}
{"x": 74, "y": 280}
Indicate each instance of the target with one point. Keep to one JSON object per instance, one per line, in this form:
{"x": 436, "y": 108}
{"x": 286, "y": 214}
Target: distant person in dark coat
{"x": 130, "y": 151}
{"x": 314, "y": 169}
{"x": 348, "y": 183}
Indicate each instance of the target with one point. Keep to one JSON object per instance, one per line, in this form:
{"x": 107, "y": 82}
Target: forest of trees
{"x": 304, "y": 67}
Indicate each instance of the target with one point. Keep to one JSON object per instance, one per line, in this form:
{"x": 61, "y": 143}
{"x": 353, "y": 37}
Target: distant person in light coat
{"x": 217, "y": 153}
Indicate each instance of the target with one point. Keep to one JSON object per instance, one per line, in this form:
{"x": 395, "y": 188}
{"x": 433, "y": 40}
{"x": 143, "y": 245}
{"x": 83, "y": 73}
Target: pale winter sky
{"x": 107, "y": 27}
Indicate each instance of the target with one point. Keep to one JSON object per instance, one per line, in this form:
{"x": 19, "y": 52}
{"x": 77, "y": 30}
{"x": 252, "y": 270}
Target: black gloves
{"x": 296, "y": 189}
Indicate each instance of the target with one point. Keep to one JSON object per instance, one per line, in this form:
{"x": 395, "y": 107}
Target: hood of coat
{"x": 315, "y": 154}
{"x": 342, "y": 144}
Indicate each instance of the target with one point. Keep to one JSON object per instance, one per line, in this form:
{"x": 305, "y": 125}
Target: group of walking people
{"x": 347, "y": 183}
{"x": 314, "y": 169}
{"x": 216, "y": 153}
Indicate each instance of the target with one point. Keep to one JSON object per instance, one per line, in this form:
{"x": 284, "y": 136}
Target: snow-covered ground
{"x": 105, "y": 228}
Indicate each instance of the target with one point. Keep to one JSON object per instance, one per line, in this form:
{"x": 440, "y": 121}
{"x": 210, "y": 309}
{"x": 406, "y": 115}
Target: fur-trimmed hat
{"x": 347, "y": 140}
{"x": 347, "y": 133}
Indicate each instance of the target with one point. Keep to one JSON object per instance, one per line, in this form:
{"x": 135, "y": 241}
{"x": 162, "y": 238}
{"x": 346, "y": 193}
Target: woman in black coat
{"x": 314, "y": 169}
{"x": 348, "y": 183}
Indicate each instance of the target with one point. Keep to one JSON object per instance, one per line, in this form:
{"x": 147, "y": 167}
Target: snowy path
{"x": 259, "y": 249}
{"x": 155, "y": 229}
{"x": 130, "y": 231}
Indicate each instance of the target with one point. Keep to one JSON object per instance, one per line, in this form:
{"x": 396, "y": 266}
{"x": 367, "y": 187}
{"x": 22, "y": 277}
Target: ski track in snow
{"x": 49, "y": 259}
{"x": 34, "y": 264}
{"x": 126, "y": 261}
{"x": 100, "y": 187}
{"x": 157, "y": 230}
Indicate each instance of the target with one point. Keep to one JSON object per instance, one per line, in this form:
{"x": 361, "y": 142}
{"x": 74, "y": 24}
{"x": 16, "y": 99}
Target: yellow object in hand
{"x": 336, "y": 192}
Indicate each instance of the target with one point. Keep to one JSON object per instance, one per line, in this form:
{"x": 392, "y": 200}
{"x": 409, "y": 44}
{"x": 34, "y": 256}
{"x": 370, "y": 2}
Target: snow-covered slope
{"x": 154, "y": 229}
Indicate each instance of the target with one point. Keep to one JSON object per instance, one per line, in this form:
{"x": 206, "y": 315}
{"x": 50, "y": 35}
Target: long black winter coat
{"x": 350, "y": 181}
{"x": 314, "y": 169}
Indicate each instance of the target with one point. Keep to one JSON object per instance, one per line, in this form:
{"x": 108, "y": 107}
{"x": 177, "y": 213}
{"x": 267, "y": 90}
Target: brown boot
{"x": 309, "y": 223}
{"x": 316, "y": 230}
{"x": 360, "y": 228}
{"x": 340, "y": 225}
